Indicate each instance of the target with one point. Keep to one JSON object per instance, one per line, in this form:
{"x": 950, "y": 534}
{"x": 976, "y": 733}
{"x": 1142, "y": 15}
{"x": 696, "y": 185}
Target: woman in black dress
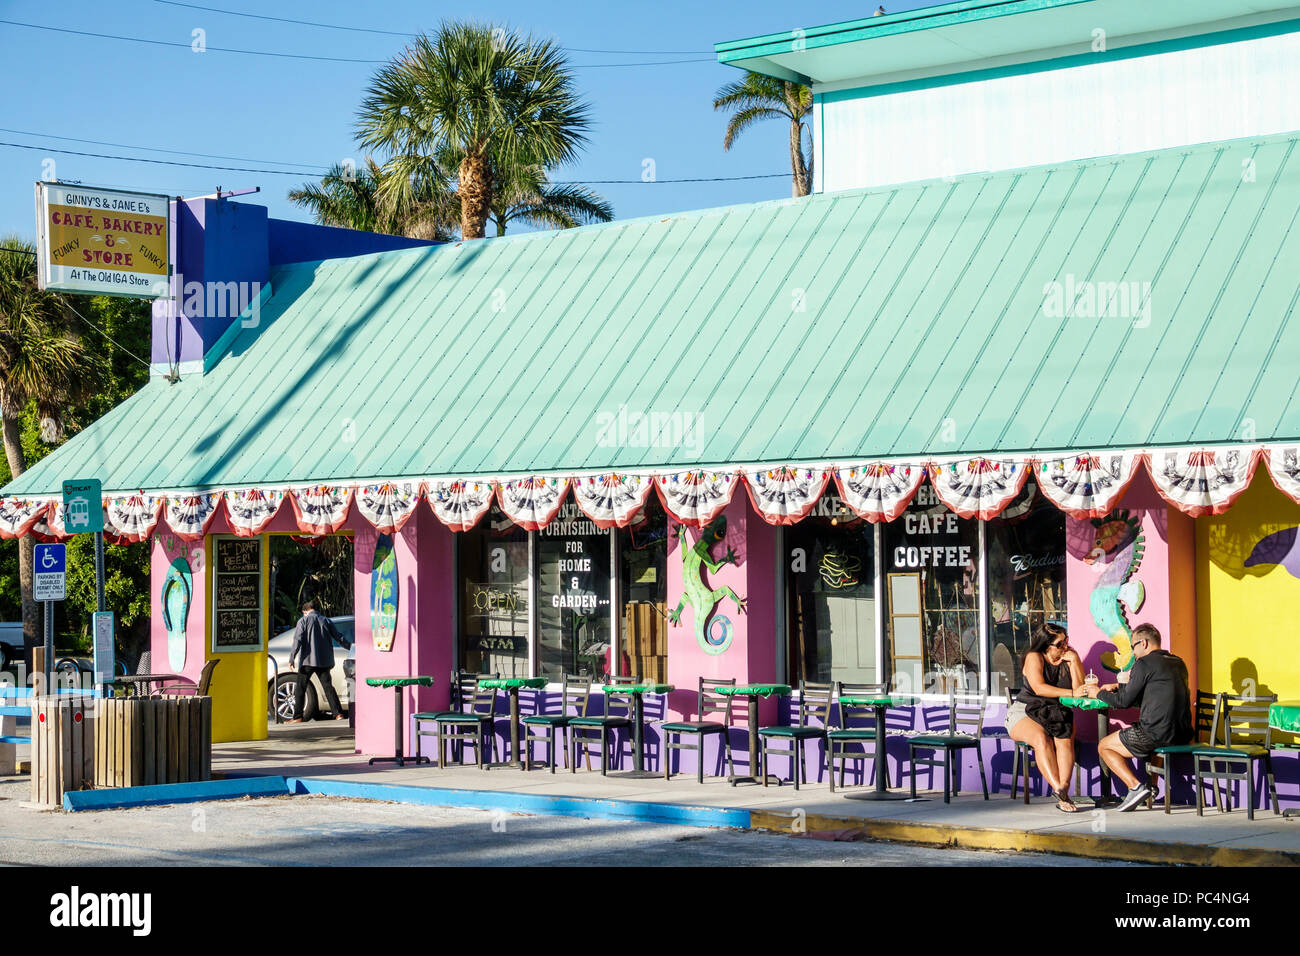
{"x": 1051, "y": 671}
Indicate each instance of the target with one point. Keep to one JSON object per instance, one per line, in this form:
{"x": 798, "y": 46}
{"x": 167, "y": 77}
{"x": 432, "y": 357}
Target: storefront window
{"x": 573, "y": 597}
{"x": 643, "y": 593}
{"x": 831, "y": 596}
{"x": 1026, "y": 576}
{"x": 932, "y": 580}
{"x": 494, "y": 597}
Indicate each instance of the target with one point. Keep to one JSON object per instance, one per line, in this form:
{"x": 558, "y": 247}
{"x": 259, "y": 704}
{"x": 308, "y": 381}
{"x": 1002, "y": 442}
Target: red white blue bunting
{"x": 612, "y": 500}
{"x": 1087, "y": 486}
{"x": 460, "y": 505}
{"x": 132, "y": 518}
{"x": 19, "y": 515}
{"x": 190, "y": 515}
{"x": 1203, "y": 482}
{"x": 321, "y": 509}
{"x": 388, "y": 505}
{"x": 51, "y": 527}
{"x": 786, "y": 495}
{"x": 977, "y": 487}
{"x": 1284, "y": 469}
{"x": 249, "y": 512}
{"x": 878, "y": 491}
{"x": 696, "y": 497}
{"x": 532, "y": 502}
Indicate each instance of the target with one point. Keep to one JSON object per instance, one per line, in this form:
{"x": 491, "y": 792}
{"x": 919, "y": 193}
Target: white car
{"x": 282, "y": 680}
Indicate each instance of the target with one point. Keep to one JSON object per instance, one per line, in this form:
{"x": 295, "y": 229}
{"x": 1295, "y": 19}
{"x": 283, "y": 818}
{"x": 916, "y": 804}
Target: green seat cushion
{"x": 1240, "y": 750}
{"x": 798, "y": 733}
{"x": 695, "y": 727}
{"x": 1176, "y": 749}
{"x": 943, "y": 740}
{"x": 853, "y": 733}
{"x": 550, "y": 720}
{"x": 458, "y": 718}
{"x": 437, "y": 714}
{"x": 600, "y": 722}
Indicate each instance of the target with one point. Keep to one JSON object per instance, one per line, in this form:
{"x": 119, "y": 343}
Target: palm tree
{"x": 41, "y": 362}
{"x": 351, "y": 198}
{"x": 758, "y": 97}
{"x": 527, "y": 196}
{"x": 502, "y": 101}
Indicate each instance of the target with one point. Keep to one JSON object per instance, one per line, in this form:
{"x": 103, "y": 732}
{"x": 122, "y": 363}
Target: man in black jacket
{"x": 1158, "y": 682}
{"x": 313, "y": 648}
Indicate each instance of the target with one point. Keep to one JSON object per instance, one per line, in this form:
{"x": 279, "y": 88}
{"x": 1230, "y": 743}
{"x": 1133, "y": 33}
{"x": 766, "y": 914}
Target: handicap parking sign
{"x": 51, "y": 572}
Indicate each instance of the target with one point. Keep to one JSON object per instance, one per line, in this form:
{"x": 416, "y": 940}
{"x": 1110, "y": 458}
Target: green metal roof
{"x": 889, "y": 322}
{"x": 969, "y": 33}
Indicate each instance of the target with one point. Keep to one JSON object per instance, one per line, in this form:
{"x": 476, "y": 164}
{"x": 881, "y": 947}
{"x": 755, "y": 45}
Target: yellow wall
{"x": 239, "y": 683}
{"x": 1247, "y": 616}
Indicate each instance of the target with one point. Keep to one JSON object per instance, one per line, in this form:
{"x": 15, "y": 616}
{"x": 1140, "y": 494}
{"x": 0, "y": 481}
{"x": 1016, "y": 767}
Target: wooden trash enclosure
{"x": 63, "y": 750}
{"x": 141, "y": 741}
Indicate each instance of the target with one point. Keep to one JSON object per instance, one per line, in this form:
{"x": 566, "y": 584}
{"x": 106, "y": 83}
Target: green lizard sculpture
{"x": 696, "y": 591}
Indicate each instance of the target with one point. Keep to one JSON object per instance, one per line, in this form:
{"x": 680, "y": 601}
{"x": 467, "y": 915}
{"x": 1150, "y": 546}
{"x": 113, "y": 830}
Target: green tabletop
{"x": 639, "y": 688}
{"x": 1084, "y": 703}
{"x": 511, "y": 683}
{"x": 401, "y": 681}
{"x": 1285, "y": 716}
{"x": 877, "y": 701}
{"x": 753, "y": 690}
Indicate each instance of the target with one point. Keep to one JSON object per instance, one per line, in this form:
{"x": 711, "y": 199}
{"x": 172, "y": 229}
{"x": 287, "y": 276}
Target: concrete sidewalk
{"x": 324, "y": 753}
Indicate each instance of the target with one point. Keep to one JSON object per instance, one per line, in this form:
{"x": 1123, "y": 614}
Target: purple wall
{"x": 290, "y": 241}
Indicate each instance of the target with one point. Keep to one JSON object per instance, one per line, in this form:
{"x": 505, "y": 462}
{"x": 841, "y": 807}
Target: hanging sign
{"x": 102, "y": 241}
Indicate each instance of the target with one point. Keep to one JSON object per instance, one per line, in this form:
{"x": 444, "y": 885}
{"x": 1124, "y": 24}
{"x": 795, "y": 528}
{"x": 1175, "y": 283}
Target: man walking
{"x": 1158, "y": 682}
{"x": 313, "y": 648}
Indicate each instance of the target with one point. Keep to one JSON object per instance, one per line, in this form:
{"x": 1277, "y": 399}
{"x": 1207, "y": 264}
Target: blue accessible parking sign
{"x": 50, "y": 572}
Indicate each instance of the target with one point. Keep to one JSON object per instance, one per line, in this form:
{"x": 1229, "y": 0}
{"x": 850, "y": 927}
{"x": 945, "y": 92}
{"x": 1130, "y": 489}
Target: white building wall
{"x": 1246, "y": 88}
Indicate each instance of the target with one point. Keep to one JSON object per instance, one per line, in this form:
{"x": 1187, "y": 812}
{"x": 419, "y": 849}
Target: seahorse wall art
{"x": 713, "y": 632}
{"x": 1116, "y": 555}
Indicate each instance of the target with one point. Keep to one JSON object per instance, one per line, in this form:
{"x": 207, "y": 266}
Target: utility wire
{"x": 285, "y": 172}
{"x": 152, "y": 149}
{"x": 307, "y": 56}
{"x": 398, "y": 33}
{"x": 105, "y": 334}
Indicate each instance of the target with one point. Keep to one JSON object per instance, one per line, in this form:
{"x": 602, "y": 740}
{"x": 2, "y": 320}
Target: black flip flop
{"x": 1063, "y": 798}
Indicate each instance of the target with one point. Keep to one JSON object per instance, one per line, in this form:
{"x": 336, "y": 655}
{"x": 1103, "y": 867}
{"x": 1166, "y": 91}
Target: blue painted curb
{"x": 123, "y": 797}
{"x": 539, "y": 803}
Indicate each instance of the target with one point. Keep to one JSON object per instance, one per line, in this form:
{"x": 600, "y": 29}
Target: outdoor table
{"x": 753, "y": 692}
{"x": 879, "y": 705}
{"x": 638, "y": 712}
{"x": 1285, "y": 716}
{"x": 397, "y": 683}
{"x": 134, "y": 681}
{"x": 1102, "y": 710}
{"x": 511, "y": 686}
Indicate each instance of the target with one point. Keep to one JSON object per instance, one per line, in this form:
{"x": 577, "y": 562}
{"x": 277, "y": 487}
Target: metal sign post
{"x": 51, "y": 562}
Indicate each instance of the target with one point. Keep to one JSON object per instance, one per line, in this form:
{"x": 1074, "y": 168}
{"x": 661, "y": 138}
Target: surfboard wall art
{"x": 383, "y": 594}
{"x": 177, "y": 589}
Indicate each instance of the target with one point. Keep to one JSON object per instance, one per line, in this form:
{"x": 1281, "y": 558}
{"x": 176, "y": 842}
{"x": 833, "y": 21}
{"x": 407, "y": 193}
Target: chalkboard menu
{"x": 237, "y": 595}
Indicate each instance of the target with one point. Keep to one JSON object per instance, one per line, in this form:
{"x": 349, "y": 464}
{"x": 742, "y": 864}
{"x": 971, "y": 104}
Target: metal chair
{"x": 965, "y": 729}
{"x": 466, "y": 722}
{"x": 814, "y": 704}
{"x": 699, "y": 730}
{"x": 1246, "y": 738}
{"x": 850, "y": 731}
{"x": 1205, "y": 721}
{"x": 188, "y": 688}
{"x": 619, "y": 713}
{"x": 575, "y": 694}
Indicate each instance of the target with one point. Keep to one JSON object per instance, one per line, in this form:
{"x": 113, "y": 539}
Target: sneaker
{"x": 1135, "y": 796}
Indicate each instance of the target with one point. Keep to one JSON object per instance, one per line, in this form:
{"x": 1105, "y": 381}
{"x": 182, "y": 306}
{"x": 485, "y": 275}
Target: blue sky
{"x": 277, "y": 111}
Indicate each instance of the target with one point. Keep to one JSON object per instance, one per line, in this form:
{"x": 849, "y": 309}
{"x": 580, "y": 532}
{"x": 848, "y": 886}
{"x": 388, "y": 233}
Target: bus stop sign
{"x": 83, "y": 506}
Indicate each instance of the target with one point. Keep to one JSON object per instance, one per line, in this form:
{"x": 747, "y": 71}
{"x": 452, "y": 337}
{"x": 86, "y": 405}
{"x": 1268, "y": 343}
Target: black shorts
{"x": 1138, "y": 741}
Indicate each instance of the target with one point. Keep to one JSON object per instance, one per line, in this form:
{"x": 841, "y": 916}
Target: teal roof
{"x": 956, "y": 36}
{"x": 890, "y": 322}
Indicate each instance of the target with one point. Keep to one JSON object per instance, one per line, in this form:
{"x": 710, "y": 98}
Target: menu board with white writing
{"x": 237, "y": 594}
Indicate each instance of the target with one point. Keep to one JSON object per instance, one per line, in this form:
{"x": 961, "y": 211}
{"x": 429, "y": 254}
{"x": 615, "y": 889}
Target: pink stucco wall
{"x": 425, "y": 628}
{"x": 752, "y": 654}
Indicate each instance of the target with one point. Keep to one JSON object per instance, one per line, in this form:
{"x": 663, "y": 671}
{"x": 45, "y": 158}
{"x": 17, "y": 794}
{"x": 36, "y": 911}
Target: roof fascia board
{"x": 1042, "y": 61}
